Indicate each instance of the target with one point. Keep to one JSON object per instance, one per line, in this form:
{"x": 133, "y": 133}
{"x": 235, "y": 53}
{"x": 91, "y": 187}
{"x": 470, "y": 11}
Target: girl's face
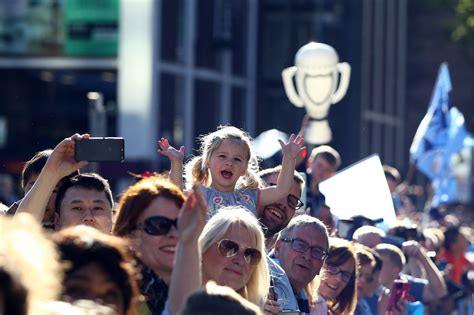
{"x": 157, "y": 251}
{"x": 227, "y": 163}
{"x": 335, "y": 278}
{"x": 234, "y": 271}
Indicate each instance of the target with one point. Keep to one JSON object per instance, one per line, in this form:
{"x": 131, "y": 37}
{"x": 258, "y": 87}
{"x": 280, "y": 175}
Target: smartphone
{"x": 103, "y": 149}
{"x": 398, "y": 292}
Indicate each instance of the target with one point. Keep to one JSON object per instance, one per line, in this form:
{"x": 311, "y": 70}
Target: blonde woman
{"x": 232, "y": 245}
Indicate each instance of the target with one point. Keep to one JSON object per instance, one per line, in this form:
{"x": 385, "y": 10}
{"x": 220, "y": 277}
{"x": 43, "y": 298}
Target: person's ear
{"x": 277, "y": 248}
{"x": 56, "y": 221}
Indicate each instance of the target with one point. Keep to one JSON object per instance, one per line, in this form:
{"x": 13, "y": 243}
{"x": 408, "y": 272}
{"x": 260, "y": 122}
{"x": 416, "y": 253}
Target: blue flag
{"x": 440, "y": 136}
{"x": 432, "y": 131}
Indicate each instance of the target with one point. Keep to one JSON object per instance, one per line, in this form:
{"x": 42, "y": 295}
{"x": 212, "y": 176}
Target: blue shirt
{"x": 247, "y": 198}
{"x": 281, "y": 285}
{"x": 417, "y": 285}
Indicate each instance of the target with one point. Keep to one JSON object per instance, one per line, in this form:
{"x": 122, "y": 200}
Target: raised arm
{"x": 290, "y": 151}
{"x": 60, "y": 164}
{"x": 186, "y": 275}
{"x": 436, "y": 287}
{"x": 176, "y": 157}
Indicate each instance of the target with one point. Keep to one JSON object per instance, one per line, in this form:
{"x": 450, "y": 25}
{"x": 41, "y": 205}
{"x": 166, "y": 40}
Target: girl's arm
{"x": 176, "y": 157}
{"x": 290, "y": 150}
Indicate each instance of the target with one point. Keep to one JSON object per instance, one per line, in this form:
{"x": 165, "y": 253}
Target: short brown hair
{"x": 328, "y": 153}
{"x": 81, "y": 245}
{"x": 276, "y": 170}
{"x": 394, "y": 254}
{"x": 35, "y": 165}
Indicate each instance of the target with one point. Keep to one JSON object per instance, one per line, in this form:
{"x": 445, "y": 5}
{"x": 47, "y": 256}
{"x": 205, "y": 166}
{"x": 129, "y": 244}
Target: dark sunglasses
{"x": 301, "y": 247}
{"x": 294, "y": 202}
{"x": 228, "y": 248}
{"x": 157, "y": 225}
{"x": 335, "y": 270}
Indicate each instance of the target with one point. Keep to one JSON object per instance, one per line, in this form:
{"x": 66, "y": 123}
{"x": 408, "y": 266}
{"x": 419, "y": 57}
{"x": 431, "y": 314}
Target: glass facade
{"x": 204, "y": 65}
{"x": 41, "y": 107}
{"x": 59, "y": 28}
{"x": 213, "y": 62}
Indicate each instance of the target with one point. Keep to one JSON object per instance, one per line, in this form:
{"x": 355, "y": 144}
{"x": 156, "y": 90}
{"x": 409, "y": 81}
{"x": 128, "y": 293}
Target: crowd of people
{"x": 218, "y": 235}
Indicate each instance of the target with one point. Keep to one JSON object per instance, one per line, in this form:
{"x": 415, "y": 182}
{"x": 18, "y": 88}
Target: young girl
{"x": 226, "y": 170}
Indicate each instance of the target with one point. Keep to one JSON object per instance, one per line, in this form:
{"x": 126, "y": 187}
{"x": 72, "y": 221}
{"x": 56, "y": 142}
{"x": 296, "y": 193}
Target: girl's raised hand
{"x": 294, "y": 146}
{"x": 169, "y": 151}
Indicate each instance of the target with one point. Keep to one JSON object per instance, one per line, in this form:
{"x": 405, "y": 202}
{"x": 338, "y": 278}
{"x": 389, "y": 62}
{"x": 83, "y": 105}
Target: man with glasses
{"x": 300, "y": 250}
{"x": 276, "y": 216}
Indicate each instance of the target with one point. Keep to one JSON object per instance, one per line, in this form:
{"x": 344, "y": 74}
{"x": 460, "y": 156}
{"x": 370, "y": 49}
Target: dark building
{"x": 185, "y": 66}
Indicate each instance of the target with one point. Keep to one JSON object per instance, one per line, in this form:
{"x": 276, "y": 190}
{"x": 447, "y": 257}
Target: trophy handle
{"x": 287, "y": 75}
{"x": 345, "y": 69}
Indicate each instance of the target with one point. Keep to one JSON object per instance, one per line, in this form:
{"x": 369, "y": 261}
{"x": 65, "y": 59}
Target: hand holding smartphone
{"x": 398, "y": 292}
{"x": 101, "y": 149}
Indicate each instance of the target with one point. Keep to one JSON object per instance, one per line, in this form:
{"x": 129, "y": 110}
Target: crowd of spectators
{"x": 236, "y": 241}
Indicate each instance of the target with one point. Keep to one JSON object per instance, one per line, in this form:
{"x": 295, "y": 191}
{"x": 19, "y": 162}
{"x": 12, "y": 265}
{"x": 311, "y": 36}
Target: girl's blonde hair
{"x": 196, "y": 171}
{"x": 256, "y": 289}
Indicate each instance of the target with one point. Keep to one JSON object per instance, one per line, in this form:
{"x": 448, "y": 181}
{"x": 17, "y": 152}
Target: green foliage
{"x": 464, "y": 26}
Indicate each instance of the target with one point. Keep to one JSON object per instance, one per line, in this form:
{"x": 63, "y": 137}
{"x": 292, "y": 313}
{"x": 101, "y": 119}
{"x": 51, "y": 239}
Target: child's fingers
{"x": 282, "y": 144}
{"x": 181, "y": 149}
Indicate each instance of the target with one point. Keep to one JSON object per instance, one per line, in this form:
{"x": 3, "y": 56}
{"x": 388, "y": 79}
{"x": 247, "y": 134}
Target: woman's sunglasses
{"x": 228, "y": 248}
{"x": 157, "y": 225}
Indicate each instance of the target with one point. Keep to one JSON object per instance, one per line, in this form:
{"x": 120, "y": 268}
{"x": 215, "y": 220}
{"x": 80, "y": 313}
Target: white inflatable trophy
{"x": 317, "y": 70}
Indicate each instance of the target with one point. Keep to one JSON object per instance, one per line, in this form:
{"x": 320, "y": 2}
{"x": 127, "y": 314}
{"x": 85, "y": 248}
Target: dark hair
{"x": 450, "y": 236}
{"x": 341, "y": 251}
{"x": 81, "y": 245}
{"x": 139, "y": 196}
{"x": 328, "y": 153}
{"x": 35, "y": 165}
{"x": 364, "y": 256}
{"x": 88, "y": 181}
{"x": 377, "y": 259}
{"x": 216, "y": 300}
{"x": 14, "y": 294}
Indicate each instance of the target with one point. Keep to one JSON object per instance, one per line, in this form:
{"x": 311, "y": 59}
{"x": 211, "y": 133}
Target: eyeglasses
{"x": 293, "y": 202}
{"x": 335, "y": 270}
{"x": 228, "y": 248}
{"x": 301, "y": 247}
{"x": 157, "y": 225}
